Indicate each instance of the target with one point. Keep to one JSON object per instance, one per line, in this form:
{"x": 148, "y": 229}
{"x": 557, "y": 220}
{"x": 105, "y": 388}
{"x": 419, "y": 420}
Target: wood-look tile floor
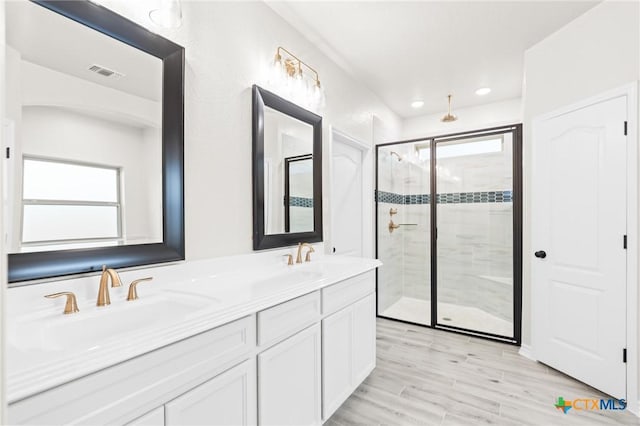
{"x": 432, "y": 377}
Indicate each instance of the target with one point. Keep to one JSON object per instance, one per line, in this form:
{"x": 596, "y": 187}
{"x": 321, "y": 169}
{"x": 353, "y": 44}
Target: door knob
{"x": 540, "y": 254}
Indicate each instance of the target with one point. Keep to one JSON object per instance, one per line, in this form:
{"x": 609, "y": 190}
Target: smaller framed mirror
{"x": 287, "y": 172}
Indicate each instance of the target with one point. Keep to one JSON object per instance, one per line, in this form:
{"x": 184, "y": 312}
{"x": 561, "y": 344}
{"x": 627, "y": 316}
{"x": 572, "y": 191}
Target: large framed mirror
{"x": 287, "y": 172}
{"x": 94, "y": 126}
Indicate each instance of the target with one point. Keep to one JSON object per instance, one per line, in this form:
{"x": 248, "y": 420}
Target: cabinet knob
{"x": 540, "y": 254}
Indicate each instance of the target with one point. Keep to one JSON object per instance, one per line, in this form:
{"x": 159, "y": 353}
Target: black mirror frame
{"x": 49, "y": 264}
{"x": 262, "y": 98}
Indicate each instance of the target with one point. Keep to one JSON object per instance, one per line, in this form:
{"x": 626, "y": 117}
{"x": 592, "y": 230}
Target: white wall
{"x": 229, "y": 47}
{"x": 596, "y": 52}
{"x": 3, "y": 257}
{"x": 471, "y": 118}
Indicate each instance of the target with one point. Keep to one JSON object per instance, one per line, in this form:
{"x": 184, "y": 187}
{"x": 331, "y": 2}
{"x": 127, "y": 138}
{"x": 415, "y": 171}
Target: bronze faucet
{"x": 71, "y": 307}
{"x": 307, "y": 258}
{"x": 103, "y": 291}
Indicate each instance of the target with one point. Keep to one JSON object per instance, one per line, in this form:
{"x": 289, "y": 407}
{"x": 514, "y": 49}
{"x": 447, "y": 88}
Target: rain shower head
{"x": 397, "y": 155}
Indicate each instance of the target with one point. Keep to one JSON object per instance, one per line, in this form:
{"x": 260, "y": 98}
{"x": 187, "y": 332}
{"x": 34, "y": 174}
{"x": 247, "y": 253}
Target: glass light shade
{"x": 168, "y": 15}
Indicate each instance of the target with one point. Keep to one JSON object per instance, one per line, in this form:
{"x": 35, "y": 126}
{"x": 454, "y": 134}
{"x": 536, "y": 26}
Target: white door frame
{"x": 336, "y": 135}
{"x": 631, "y": 92}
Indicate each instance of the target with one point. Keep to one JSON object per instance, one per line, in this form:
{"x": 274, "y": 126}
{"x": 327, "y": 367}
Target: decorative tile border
{"x": 447, "y": 198}
{"x": 476, "y": 197}
{"x": 389, "y": 197}
{"x": 300, "y": 202}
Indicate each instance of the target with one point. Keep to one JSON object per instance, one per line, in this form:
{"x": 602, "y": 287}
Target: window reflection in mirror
{"x": 288, "y": 184}
{"x": 84, "y": 126}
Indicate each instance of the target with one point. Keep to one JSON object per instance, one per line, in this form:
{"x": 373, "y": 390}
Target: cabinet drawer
{"x": 140, "y": 384}
{"x": 285, "y": 319}
{"x": 339, "y": 295}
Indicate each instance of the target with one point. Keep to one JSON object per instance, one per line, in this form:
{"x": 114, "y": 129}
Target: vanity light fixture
{"x": 168, "y": 15}
{"x": 417, "y": 104}
{"x": 483, "y": 91}
{"x": 296, "y": 80}
{"x": 448, "y": 117}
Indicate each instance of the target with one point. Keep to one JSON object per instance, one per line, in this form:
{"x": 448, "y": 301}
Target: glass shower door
{"x": 474, "y": 215}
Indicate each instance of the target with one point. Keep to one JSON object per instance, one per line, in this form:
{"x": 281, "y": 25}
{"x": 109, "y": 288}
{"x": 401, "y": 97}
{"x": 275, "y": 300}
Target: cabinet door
{"x": 289, "y": 381}
{"x": 227, "y": 399}
{"x": 337, "y": 354}
{"x": 364, "y": 338}
{"x": 152, "y": 418}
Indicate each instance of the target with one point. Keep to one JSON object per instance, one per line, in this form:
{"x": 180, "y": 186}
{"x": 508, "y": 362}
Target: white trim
{"x": 367, "y": 188}
{"x": 632, "y": 248}
{"x": 344, "y": 138}
{"x": 631, "y": 92}
{"x": 525, "y": 351}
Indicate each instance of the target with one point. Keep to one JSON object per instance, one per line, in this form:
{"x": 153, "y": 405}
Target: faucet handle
{"x": 133, "y": 293}
{"x": 71, "y": 307}
{"x": 289, "y": 259}
{"x": 307, "y": 258}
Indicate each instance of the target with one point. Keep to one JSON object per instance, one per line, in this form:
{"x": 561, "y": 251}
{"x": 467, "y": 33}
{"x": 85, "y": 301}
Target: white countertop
{"x": 224, "y": 290}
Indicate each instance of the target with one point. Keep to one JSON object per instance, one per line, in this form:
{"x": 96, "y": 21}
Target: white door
{"x": 289, "y": 381}
{"x": 346, "y": 202}
{"x": 227, "y": 399}
{"x": 364, "y": 338}
{"x": 337, "y": 360}
{"x": 348, "y": 351}
{"x": 578, "y": 232}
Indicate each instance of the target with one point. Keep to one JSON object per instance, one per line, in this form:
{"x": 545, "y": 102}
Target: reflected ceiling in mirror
{"x": 84, "y": 120}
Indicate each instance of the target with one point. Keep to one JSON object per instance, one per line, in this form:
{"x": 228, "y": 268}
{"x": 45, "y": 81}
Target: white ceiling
{"x": 405, "y": 51}
{"x": 53, "y": 41}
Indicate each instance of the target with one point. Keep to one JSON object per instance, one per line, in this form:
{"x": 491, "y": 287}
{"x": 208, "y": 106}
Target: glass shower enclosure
{"x": 449, "y": 232}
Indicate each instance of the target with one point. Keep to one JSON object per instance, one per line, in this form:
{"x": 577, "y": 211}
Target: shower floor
{"x": 419, "y": 311}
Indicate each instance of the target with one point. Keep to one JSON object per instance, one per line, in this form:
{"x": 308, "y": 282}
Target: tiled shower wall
{"x": 390, "y": 247}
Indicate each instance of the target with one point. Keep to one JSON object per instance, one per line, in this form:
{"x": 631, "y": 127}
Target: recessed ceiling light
{"x": 417, "y": 104}
{"x": 483, "y": 91}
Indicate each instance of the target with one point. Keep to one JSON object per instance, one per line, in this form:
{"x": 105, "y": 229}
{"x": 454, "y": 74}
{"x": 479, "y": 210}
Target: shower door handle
{"x": 540, "y": 254}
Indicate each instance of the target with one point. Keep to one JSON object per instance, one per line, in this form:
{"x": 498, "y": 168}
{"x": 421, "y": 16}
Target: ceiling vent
{"x": 105, "y": 72}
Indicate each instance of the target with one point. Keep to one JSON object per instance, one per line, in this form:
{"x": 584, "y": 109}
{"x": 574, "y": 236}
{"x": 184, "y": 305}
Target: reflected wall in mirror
{"x": 284, "y": 138}
{"x": 86, "y": 117}
{"x": 86, "y": 125}
{"x": 287, "y": 172}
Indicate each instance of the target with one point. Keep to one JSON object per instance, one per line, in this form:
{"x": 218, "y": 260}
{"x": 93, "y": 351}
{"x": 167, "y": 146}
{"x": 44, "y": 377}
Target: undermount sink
{"x": 93, "y": 327}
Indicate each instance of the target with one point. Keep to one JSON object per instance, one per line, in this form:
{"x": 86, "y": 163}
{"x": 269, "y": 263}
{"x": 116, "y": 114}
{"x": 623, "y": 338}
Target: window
{"x": 448, "y": 150}
{"x": 66, "y": 202}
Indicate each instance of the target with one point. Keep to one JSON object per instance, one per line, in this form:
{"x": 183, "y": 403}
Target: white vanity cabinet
{"x": 124, "y": 392}
{"x": 288, "y": 363}
{"x": 348, "y": 340}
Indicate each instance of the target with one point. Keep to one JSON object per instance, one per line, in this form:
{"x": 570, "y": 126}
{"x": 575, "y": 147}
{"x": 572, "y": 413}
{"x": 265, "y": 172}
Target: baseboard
{"x": 525, "y": 351}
